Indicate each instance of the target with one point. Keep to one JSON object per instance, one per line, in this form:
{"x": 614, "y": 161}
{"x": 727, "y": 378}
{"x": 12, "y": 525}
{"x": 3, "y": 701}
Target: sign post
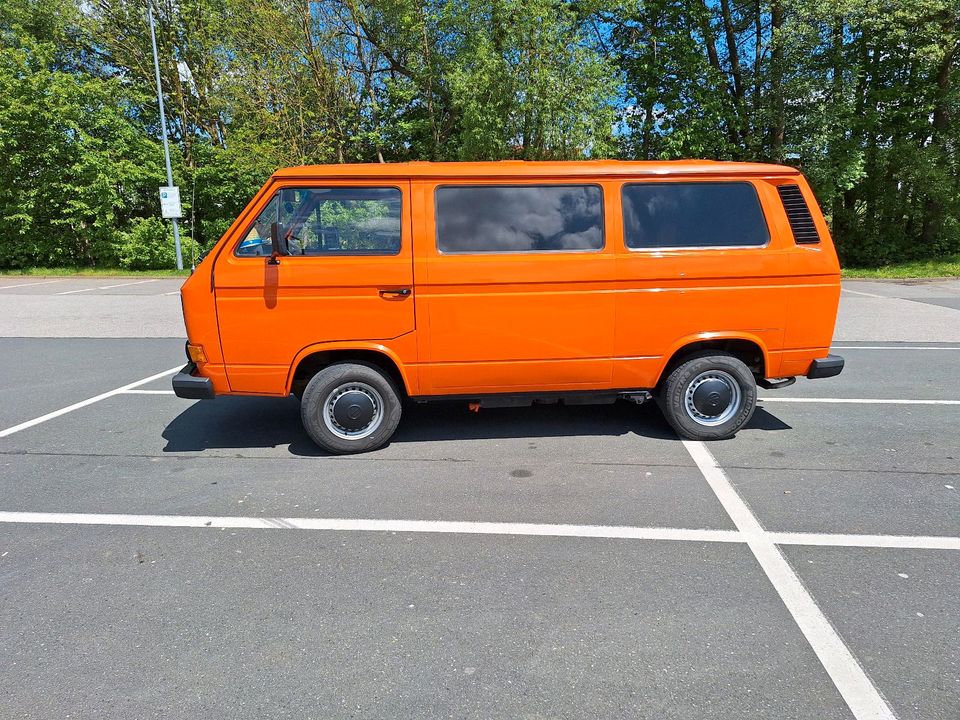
{"x": 170, "y": 195}
{"x": 170, "y": 203}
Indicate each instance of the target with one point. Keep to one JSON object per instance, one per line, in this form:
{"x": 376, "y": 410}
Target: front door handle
{"x": 400, "y": 292}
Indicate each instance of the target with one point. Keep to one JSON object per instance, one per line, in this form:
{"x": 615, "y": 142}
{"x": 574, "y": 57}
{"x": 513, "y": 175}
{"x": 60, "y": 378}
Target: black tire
{"x": 359, "y": 385}
{"x": 708, "y": 418}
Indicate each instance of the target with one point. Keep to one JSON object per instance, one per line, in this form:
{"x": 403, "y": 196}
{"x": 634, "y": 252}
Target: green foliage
{"x": 149, "y": 245}
{"x": 76, "y": 167}
{"x": 67, "y": 271}
{"x": 944, "y": 266}
{"x": 526, "y": 83}
{"x": 222, "y": 182}
{"x": 863, "y": 94}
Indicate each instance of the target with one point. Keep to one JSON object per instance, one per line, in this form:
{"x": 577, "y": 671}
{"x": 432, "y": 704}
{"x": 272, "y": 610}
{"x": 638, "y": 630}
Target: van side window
{"x": 256, "y": 243}
{"x": 329, "y": 221}
{"x": 519, "y": 218}
{"x": 701, "y": 214}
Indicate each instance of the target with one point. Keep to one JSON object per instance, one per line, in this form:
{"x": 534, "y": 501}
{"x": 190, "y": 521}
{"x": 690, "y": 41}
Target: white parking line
{"x": 455, "y": 527}
{"x": 72, "y": 292}
{"x": 863, "y": 699}
{"x": 908, "y": 542}
{"x": 84, "y": 403}
{"x": 369, "y": 525}
{"x": 148, "y": 392}
{"x": 106, "y": 287}
{"x": 871, "y": 295}
{"x": 29, "y": 284}
{"x": 859, "y": 401}
{"x": 137, "y": 282}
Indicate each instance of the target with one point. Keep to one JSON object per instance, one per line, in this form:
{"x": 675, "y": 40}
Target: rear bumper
{"x": 826, "y": 367}
{"x": 189, "y": 386}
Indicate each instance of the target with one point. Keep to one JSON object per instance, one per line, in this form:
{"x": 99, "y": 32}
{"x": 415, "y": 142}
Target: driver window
{"x": 340, "y": 220}
{"x": 256, "y": 242}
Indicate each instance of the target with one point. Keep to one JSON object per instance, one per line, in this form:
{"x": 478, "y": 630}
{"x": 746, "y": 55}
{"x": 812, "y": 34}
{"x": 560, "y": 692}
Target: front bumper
{"x": 189, "y": 386}
{"x": 826, "y": 367}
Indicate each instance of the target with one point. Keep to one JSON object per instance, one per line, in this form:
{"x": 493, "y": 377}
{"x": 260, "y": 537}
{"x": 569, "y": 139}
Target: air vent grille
{"x": 801, "y": 221}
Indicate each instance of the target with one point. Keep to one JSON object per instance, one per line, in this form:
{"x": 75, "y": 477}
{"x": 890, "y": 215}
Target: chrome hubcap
{"x": 353, "y": 411}
{"x": 712, "y": 398}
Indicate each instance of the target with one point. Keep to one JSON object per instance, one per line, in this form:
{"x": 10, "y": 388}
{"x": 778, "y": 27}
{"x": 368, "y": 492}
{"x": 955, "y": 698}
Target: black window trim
{"x": 687, "y": 181}
{"x": 281, "y": 188}
{"x": 603, "y": 219}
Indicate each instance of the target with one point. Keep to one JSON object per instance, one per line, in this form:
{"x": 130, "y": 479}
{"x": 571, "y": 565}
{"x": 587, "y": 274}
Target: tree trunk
{"x": 757, "y": 55}
{"x": 704, "y": 14}
{"x": 778, "y": 109}
{"x": 647, "y": 135}
{"x": 733, "y": 54}
{"x": 933, "y": 207}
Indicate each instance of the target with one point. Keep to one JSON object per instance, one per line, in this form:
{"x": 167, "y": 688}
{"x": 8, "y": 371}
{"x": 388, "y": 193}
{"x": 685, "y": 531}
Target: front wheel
{"x": 709, "y": 396}
{"x": 350, "y": 408}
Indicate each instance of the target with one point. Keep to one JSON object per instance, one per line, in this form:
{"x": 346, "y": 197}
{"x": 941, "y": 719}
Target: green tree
{"x": 488, "y": 79}
{"x": 77, "y": 164}
{"x": 862, "y": 94}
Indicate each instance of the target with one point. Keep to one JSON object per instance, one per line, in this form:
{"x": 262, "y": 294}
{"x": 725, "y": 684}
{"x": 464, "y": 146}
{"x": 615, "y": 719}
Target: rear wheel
{"x": 709, "y": 396}
{"x": 350, "y": 408}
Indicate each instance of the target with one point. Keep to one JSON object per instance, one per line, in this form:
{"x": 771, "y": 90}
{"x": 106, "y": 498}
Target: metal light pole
{"x": 163, "y": 130}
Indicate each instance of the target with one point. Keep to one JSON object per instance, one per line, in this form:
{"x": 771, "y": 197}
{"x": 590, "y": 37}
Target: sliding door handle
{"x": 398, "y": 292}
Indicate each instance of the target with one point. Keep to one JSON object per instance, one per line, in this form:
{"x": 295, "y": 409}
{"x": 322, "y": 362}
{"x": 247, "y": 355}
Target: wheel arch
{"x": 314, "y": 358}
{"x": 745, "y": 346}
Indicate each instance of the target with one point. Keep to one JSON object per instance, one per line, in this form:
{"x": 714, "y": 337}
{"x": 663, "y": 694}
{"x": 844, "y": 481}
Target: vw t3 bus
{"x": 357, "y": 287}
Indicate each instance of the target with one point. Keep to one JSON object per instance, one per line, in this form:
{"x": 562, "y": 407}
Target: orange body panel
{"x": 268, "y": 314}
{"x": 514, "y": 322}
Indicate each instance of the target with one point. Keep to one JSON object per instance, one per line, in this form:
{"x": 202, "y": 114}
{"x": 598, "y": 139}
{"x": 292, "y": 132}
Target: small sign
{"x": 170, "y": 202}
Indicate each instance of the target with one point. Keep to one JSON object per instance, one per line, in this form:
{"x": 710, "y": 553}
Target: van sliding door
{"x": 513, "y": 282}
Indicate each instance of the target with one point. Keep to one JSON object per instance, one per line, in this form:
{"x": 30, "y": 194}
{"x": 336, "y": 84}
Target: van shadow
{"x": 236, "y": 423}
{"x": 764, "y": 420}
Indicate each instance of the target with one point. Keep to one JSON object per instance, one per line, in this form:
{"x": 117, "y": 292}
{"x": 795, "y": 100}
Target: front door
{"x": 348, "y": 277}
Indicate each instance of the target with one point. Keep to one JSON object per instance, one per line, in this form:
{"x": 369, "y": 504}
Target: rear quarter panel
{"x": 813, "y": 312}
{"x": 670, "y": 298}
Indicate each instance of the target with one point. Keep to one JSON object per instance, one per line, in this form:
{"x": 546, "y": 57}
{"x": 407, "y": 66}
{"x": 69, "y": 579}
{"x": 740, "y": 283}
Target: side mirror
{"x": 276, "y": 245}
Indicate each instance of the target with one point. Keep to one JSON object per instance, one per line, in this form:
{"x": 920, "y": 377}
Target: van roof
{"x": 525, "y": 168}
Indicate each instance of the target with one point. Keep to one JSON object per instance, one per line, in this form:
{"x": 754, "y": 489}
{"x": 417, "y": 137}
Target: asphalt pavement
{"x": 176, "y": 559}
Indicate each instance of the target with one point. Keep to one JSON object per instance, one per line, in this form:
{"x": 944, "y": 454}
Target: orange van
{"x": 355, "y": 287}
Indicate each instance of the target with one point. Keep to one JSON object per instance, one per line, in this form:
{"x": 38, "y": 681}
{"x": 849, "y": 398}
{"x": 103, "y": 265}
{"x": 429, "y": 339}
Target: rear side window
{"x": 519, "y": 218}
{"x": 703, "y": 214}
{"x": 801, "y": 221}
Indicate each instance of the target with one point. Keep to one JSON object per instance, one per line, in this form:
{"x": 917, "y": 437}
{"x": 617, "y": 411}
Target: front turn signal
{"x": 196, "y": 353}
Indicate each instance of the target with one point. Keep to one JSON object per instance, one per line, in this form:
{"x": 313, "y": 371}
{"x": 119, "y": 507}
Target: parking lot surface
{"x": 176, "y": 559}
